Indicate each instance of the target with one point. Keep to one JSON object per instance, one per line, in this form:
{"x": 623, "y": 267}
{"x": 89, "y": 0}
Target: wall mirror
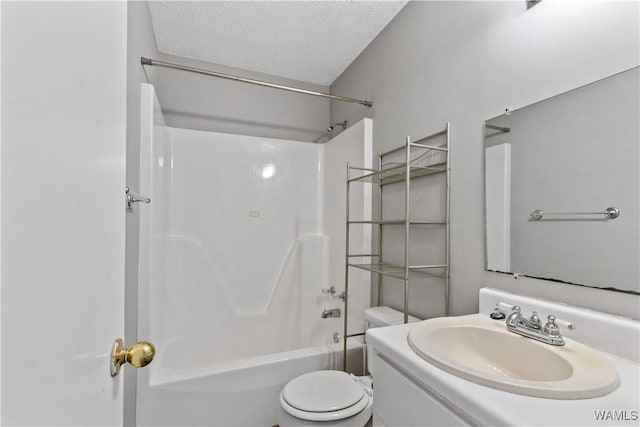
{"x": 552, "y": 170}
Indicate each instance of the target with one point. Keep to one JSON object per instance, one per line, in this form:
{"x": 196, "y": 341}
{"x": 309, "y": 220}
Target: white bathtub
{"x": 255, "y": 372}
{"x": 238, "y": 393}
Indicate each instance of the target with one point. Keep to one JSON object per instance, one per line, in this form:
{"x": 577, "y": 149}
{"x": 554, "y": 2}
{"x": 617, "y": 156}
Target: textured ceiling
{"x": 311, "y": 41}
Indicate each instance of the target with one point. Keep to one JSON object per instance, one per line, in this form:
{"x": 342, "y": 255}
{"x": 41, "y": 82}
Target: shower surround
{"x": 242, "y": 235}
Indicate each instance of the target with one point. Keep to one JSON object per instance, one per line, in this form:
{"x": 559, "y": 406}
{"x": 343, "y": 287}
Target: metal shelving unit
{"x": 420, "y": 160}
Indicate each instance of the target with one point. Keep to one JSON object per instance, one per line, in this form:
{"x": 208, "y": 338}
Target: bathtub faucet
{"x": 330, "y": 312}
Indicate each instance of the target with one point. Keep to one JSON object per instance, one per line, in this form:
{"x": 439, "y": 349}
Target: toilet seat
{"x": 323, "y": 396}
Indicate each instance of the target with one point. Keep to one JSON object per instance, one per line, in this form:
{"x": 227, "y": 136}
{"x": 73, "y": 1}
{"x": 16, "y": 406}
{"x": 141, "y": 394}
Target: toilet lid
{"x": 362, "y": 407}
{"x": 322, "y": 391}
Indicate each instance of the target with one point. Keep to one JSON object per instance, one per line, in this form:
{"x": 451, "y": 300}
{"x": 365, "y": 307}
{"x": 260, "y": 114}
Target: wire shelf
{"x": 397, "y": 172}
{"x": 399, "y": 222}
{"x": 398, "y": 271}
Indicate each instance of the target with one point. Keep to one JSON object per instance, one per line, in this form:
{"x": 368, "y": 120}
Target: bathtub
{"x": 254, "y": 373}
{"x": 237, "y": 393}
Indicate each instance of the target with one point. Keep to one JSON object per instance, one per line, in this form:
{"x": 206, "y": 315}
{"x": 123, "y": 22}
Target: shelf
{"x": 397, "y": 172}
{"x": 398, "y": 222}
{"x": 398, "y": 271}
{"x": 401, "y": 165}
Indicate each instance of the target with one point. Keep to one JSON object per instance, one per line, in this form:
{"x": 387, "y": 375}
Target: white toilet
{"x": 334, "y": 398}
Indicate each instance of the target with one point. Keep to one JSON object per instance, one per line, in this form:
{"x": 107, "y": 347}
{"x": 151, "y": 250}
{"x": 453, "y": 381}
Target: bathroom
{"x": 71, "y": 142}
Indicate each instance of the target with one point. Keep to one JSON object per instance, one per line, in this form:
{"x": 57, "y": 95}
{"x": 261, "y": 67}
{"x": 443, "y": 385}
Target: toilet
{"x": 334, "y": 398}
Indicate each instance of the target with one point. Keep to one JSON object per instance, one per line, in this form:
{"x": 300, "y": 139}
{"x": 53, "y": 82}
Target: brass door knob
{"x": 138, "y": 355}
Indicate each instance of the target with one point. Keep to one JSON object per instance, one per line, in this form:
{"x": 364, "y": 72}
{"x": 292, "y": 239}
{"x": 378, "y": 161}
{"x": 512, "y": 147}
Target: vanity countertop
{"x": 490, "y": 407}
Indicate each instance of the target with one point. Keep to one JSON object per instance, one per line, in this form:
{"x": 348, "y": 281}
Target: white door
{"x": 62, "y": 169}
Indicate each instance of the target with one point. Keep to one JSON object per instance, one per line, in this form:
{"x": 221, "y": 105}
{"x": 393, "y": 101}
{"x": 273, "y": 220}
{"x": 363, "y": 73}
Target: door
{"x": 62, "y": 195}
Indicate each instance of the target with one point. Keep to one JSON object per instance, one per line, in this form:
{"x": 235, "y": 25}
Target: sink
{"x": 481, "y": 350}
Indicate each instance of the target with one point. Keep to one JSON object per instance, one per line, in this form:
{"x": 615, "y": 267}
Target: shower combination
{"x": 343, "y": 124}
{"x": 195, "y": 274}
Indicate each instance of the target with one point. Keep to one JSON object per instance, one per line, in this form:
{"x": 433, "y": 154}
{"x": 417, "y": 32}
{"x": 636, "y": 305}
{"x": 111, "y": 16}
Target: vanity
{"x": 412, "y": 391}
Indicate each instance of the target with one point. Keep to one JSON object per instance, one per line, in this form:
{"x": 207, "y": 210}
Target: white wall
{"x": 242, "y": 242}
{"x": 466, "y": 62}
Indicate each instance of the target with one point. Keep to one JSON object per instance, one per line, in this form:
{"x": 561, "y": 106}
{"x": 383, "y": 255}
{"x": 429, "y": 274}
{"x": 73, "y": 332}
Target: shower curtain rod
{"x": 154, "y": 62}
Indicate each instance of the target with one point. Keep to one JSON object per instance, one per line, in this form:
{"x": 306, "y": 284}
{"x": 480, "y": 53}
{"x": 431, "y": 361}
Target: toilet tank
{"x": 382, "y": 316}
{"x": 385, "y": 316}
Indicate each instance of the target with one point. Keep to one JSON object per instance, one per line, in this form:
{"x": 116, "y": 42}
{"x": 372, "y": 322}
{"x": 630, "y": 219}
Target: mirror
{"x": 551, "y": 170}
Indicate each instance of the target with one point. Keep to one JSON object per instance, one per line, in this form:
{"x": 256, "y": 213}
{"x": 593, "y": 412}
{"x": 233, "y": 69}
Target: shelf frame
{"x": 391, "y": 173}
{"x": 397, "y": 173}
{"x": 399, "y": 222}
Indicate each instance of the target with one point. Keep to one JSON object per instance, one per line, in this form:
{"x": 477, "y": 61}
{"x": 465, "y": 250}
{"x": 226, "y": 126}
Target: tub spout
{"x": 330, "y": 312}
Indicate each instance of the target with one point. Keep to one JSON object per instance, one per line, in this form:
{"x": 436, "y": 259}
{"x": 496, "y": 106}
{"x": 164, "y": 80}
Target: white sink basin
{"x": 481, "y": 350}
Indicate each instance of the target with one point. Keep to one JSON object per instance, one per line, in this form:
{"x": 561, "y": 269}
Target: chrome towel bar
{"x": 609, "y": 213}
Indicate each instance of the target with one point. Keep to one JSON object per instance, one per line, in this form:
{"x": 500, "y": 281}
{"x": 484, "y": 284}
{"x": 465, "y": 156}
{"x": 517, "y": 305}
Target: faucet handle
{"x": 329, "y": 291}
{"x": 535, "y": 318}
{"x": 553, "y": 325}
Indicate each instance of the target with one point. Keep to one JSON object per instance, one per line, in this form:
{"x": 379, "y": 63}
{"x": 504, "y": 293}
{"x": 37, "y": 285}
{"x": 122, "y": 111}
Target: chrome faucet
{"x": 332, "y": 291}
{"x": 533, "y": 328}
{"x": 330, "y": 312}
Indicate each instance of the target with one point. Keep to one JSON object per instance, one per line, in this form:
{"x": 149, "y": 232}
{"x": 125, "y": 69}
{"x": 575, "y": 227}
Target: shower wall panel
{"x": 244, "y": 253}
